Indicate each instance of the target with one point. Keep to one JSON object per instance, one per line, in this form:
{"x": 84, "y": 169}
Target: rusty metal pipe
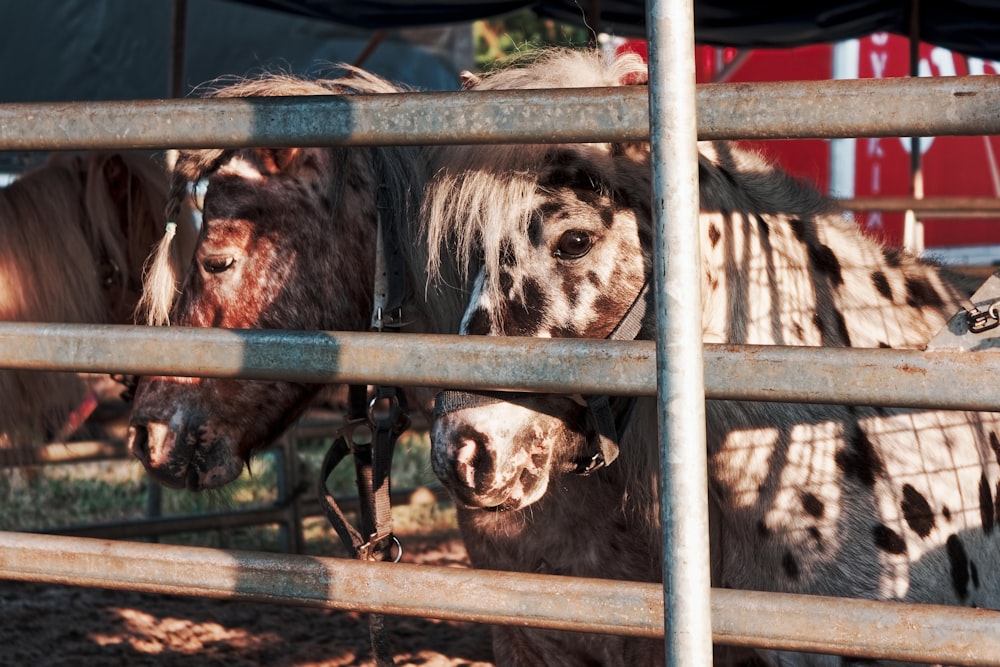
{"x": 404, "y": 589}
{"x": 857, "y": 376}
{"x": 846, "y": 108}
{"x": 884, "y": 630}
{"x": 859, "y": 628}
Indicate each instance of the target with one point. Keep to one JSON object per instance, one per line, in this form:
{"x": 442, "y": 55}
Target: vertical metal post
{"x": 287, "y": 465}
{"x": 178, "y": 54}
{"x": 913, "y": 226}
{"x": 680, "y": 371}
{"x": 843, "y": 152}
{"x": 178, "y": 48}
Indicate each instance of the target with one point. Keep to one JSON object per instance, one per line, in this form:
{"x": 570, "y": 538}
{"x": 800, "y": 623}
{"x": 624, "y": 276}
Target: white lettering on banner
{"x": 944, "y": 60}
{"x": 874, "y": 145}
{"x": 879, "y": 60}
{"x": 875, "y": 154}
{"x": 875, "y": 217}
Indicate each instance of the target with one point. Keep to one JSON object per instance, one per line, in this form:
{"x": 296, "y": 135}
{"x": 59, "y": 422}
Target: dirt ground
{"x": 42, "y": 625}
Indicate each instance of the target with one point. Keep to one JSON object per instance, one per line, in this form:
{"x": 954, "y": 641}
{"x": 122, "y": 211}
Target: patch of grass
{"x": 49, "y": 497}
{"x": 41, "y": 497}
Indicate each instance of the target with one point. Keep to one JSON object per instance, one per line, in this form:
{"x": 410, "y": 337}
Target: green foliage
{"x": 499, "y": 39}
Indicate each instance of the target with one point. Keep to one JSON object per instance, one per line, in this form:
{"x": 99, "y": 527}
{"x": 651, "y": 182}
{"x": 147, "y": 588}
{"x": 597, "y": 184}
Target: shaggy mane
{"x": 479, "y": 195}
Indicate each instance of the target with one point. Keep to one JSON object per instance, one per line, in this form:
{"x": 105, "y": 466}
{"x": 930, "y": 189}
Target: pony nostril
{"x": 138, "y": 442}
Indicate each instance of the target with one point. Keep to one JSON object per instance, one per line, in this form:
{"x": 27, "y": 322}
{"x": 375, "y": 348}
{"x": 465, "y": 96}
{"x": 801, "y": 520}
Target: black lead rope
{"x": 372, "y": 427}
{"x": 369, "y": 433}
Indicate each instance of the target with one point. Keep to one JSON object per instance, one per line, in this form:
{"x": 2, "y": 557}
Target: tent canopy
{"x": 970, "y": 27}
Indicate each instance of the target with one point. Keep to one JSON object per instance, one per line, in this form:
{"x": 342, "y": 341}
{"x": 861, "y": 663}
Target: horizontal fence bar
{"x": 919, "y": 106}
{"x": 938, "y": 206}
{"x": 861, "y": 628}
{"x": 309, "y": 506}
{"x": 153, "y": 526}
{"x": 411, "y": 590}
{"x": 772, "y": 110}
{"x": 883, "y": 630}
{"x": 326, "y": 357}
{"x": 757, "y": 372}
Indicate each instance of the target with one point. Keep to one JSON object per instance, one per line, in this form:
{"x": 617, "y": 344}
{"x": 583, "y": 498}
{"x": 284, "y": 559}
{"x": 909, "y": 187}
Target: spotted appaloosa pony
{"x": 288, "y": 241}
{"x": 74, "y": 235}
{"x": 864, "y": 502}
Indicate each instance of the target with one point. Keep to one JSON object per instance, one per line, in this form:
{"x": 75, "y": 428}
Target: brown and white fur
{"x": 850, "y": 501}
{"x": 74, "y": 235}
{"x": 288, "y": 241}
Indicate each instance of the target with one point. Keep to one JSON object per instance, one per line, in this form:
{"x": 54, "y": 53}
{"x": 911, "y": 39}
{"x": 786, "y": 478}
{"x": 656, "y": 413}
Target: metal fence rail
{"x": 885, "y": 377}
{"x": 890, "y": 107}
{"x": 862, "y": 108}
{"x": 742, "y": 618}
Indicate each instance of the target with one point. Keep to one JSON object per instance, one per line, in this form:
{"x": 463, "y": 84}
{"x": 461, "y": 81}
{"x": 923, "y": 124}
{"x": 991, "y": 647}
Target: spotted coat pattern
{"x": 850, "y": 501}
{"x": 287, "y": 241}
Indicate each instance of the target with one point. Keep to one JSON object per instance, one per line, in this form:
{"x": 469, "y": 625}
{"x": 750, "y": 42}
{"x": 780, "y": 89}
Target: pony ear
{"x": 636, "y": 74}
{"x": 276, "y": 160}
{"x": 635, "y": 151}
{"x": 118, "y": 179}
{"x": 637, "y": 77}
{"x": 116, "y": 173}
{"x": 631, "y": 69}
{"x": 468, "y": 79}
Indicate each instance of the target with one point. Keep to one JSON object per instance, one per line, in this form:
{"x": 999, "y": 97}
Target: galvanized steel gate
{"x": 692, "y": 614}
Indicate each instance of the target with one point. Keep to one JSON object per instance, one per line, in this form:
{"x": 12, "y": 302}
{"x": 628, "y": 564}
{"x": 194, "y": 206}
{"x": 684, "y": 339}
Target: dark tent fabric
{"x": 970, "y": 27}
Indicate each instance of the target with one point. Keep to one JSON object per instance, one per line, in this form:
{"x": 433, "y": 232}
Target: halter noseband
{"x": 601, "y": 417}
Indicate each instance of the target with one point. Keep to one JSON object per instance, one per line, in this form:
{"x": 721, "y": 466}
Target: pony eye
{"x": 217, "y": 263}
{"x": 573, "y": 244}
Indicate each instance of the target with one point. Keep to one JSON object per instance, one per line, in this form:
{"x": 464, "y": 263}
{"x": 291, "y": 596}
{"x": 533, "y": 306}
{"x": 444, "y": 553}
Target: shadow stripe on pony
{"x": 847, "y": 501}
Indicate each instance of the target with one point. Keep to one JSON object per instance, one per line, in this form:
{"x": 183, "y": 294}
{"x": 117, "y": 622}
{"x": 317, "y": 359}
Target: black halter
{"x": 606, "y": 416}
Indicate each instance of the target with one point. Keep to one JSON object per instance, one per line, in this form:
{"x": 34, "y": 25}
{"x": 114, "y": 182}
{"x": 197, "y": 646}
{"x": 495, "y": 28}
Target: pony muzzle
{"x": 600, "y": 420}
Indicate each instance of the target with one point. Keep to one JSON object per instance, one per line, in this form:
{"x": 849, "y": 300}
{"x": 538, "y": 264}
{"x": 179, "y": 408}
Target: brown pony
{"x": 74, "y": 234}
{"x": 288, "y": 241}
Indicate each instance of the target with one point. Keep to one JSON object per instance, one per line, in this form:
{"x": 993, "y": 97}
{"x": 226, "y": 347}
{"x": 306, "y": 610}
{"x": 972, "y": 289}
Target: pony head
{"x": 74, "y": 234}
{"x": 564, "y": 235}
{"x": 287, "y": 241}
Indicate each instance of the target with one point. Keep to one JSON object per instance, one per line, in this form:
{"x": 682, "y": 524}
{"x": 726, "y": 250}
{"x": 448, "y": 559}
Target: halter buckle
{"x": 979, "y": 321}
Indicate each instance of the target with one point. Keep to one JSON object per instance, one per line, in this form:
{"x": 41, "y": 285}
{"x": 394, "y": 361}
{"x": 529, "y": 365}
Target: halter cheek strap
{"x": 600, "y": 416}
{"x": 390, "y": 279}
